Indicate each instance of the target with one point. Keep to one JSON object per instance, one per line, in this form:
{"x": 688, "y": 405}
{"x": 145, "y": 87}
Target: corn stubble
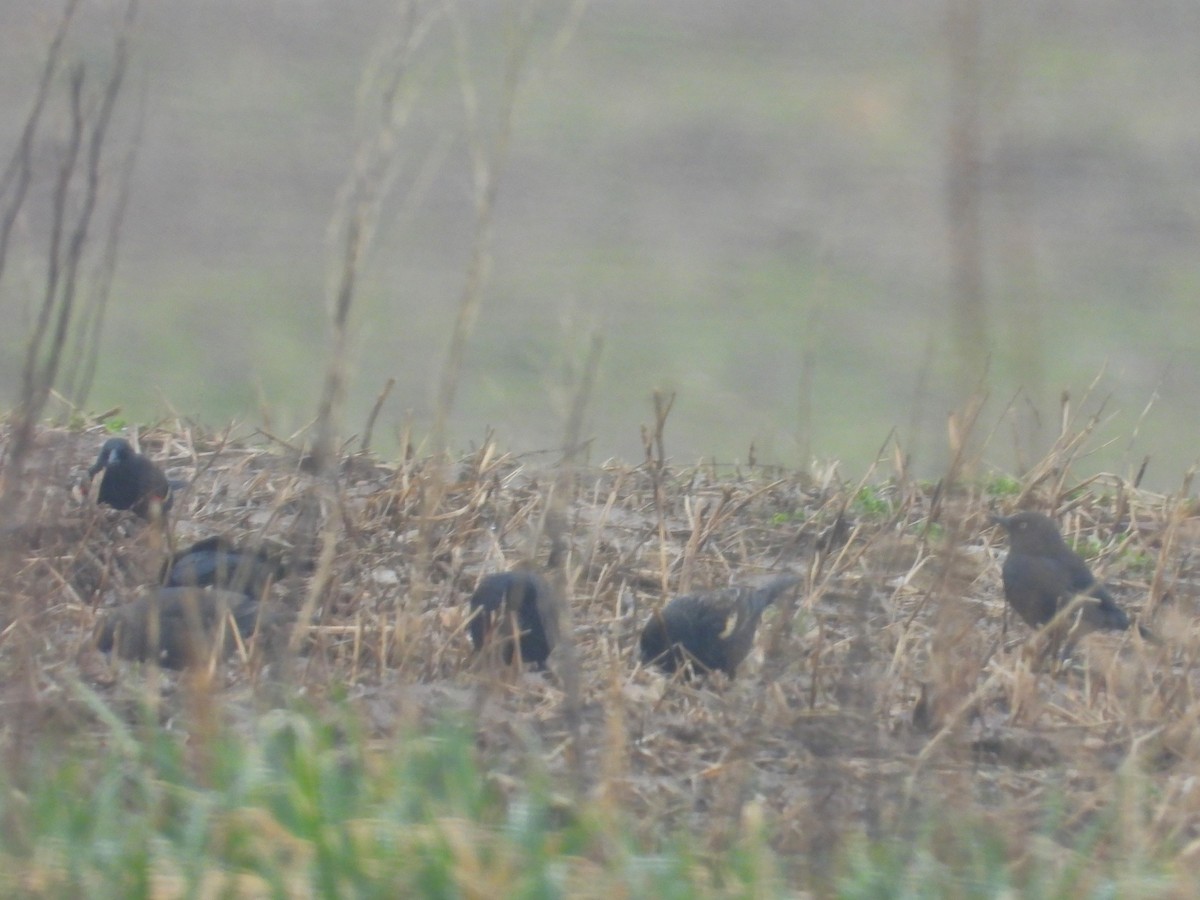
{"x": 888, "y": 698}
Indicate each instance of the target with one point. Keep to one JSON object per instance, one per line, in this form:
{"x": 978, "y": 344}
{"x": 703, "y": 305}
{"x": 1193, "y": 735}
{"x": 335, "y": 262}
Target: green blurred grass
{"x": 299, "y": 801}
{"x": 303, "y": 803}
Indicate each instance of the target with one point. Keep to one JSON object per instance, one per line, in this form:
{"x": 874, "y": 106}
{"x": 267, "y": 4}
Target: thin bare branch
{"x": 487, "y": 163}
{"x": 19, "y": 170}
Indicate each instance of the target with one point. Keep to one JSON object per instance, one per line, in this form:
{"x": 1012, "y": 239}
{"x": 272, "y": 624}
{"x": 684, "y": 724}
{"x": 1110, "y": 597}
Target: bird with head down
{"x": 180, "y": 627}
{"x": 218, "y": 561}
{"x": 711, "y": 630}
{"x": 517, "y": 609}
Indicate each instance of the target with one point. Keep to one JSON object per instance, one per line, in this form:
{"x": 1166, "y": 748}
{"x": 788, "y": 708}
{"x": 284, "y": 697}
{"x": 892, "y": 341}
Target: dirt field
{"x": 888, "y": 699}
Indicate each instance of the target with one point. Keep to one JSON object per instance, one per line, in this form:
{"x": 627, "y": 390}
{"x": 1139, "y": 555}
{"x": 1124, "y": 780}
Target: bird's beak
{"x": 1002, "y": 521}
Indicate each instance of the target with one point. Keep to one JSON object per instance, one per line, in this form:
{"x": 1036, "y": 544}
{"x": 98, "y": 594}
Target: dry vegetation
{"x": 890, "y": 734}
{"x": 892, "y": 705}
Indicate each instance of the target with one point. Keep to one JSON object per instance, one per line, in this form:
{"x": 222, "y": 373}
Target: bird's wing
{"x": 722, "y": 611}
{"x": 1081, "y": 577}
{"x": 695, "y": 619}
{"x": 1082, "y": 580}
{"x": 1036, "y": 586}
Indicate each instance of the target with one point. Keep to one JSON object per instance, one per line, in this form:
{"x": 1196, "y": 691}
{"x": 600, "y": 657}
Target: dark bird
{"x": 130, "y": 480}
{"x": 179, "y": 627}
{"x": 218, "y": 562}
{"x": 517, "y": 604}
{"x": 714, "y": 629}
{"x": 1042, "y": 575}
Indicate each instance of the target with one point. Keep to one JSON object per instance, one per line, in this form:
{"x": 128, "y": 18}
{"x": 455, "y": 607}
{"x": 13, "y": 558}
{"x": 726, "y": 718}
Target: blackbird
{"x": 177, "y": 627}
{"x": 517, "y": 603}
{"x": 714, "y": 630}
{"x": 218, "y": 562}
{"x": 1042, "y": 574}
{"x": 130, "y": 480}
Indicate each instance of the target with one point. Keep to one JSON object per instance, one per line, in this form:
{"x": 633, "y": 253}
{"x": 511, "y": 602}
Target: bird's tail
{"x": 1147, "y": 635}
{"x": 1115, "y": 618}
{"x": 766, "y": 594}
{"x": 1107, "y": 615}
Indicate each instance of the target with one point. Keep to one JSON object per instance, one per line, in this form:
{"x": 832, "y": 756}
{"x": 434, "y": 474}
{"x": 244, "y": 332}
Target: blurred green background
{"x": 747, "y": 201}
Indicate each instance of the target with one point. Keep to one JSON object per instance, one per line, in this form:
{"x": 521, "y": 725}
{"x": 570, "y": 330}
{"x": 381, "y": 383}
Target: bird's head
{"x": 1030, "y": 532}
{"x": 114, "y": 452}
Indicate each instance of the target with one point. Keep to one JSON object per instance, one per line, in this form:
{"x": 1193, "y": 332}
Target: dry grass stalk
{"x": 385, "y": 102}
{"x": 656, "y": 462}
{"x": 488, "y": 161}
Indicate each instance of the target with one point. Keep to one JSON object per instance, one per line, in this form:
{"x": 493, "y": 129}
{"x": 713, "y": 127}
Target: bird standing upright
{"x": 713, "y": 629}
{"x": 1042, "y": 575}
{"x": 130, "y": 480}
{"x": 520, "y": 604}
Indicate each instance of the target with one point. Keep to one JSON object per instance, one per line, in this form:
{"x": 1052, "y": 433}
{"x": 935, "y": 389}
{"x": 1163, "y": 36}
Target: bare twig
{"x": 72, "y": 210}
{"x": 378, "y": 405}
{"x": 19, "y": 171}
{"x": 487, "y": 163}
{"x": 385, "y": 106}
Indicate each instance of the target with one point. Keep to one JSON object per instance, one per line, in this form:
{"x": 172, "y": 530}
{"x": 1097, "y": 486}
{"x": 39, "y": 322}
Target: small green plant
{"x": 1088, "y": 547}
{"x": 872, "y": 502}
{"x": 935, "y": 532}
{"x": 1003, "y": 486}
{"x": 1138, "y": 562}
{"x": 788, "y": 518}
